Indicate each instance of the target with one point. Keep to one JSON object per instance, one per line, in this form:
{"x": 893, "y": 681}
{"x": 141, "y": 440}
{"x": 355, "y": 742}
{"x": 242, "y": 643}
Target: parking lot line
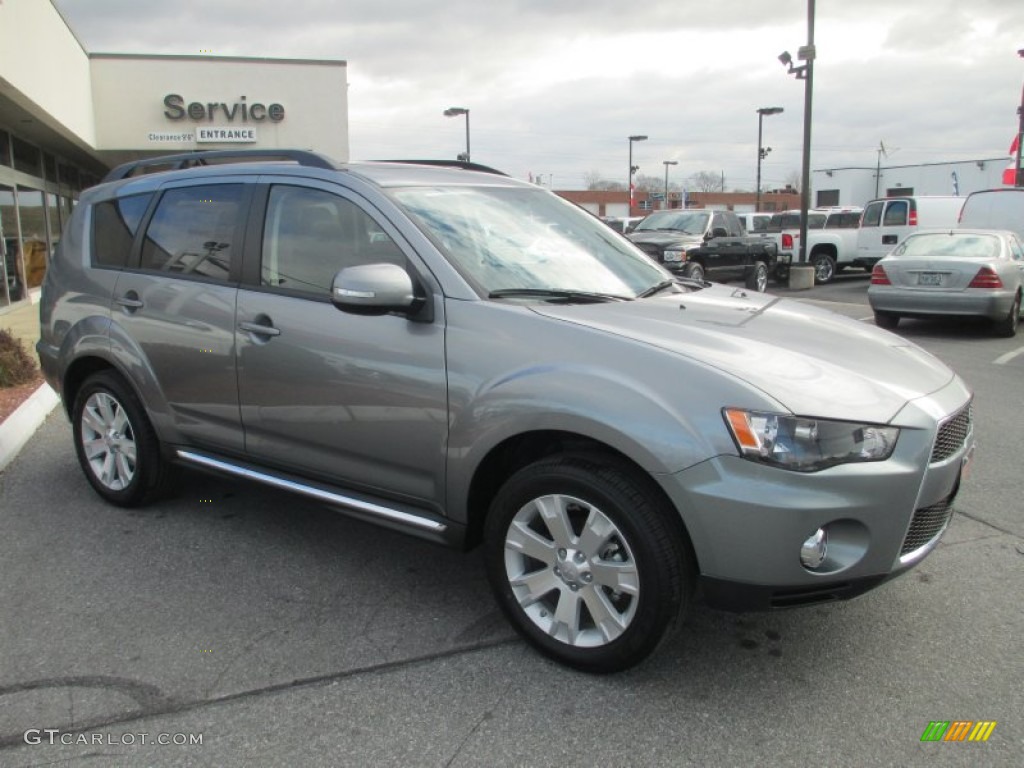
{"x": 1004, "y": 359}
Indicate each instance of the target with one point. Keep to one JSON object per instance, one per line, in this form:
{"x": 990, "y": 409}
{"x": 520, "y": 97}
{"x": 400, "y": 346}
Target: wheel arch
{"x": 521, "y": 450}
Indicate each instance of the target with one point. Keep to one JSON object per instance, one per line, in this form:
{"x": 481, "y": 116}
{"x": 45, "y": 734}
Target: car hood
{"x": 814, "y": 362}
{"x": 664, "y": 239}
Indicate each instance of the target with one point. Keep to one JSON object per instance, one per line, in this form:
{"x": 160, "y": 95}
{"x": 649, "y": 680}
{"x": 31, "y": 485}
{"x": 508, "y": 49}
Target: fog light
{"x": 813, "y": 551}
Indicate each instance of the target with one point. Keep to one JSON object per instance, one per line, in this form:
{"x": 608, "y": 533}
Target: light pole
{"x": 455, "y": 112}
{"x": 667, "y": 164}
{"x": 762, "y": 153}
{"x": 804, "y": 72}
{"x": 1018, "y": 181}
{"x": 632, "y": 170}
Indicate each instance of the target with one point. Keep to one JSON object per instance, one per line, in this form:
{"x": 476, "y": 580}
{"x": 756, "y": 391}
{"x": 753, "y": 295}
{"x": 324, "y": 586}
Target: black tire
{"x": 115, "y": 443}
{"x": 757, "y": 277}
{"x": 824, "y": 268}
{"x": 887, "y": 320}
{"x": 1007, "y": 327}
{"x": 613, "y": 523}
{"x": 781, "y": 274}
{"x": 694, "y": 271}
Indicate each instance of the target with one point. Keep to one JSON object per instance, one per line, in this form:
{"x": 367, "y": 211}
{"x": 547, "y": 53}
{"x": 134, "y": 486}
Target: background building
{"x": 68, "y": 116}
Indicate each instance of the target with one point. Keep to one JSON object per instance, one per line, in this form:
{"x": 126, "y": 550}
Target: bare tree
{"x": 793, "y": 179}
{"x": 594, "y": 181}
{"x": 707, "y": 181}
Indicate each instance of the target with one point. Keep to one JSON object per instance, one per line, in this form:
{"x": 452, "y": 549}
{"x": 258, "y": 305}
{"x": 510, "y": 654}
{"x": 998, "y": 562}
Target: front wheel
{"x": 824, "y": 268}
{"x": 694, "y": 271}
{"x": 587, "y": 561}
{"x": 757, "y": 277}
{"x": 1007, "y": 327}
{"x": 116, "y": 444}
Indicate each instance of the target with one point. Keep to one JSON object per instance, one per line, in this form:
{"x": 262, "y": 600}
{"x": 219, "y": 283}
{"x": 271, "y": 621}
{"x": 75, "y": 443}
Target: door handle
{"x": 259, "y": 329}
{"x": 130, "y": 302}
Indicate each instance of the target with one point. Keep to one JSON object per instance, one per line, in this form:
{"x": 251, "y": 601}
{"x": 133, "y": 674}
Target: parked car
{"x": 994, "y": 209}
{"x": 706, "y": 244}
{"x": 622, "y": 224}
{"x": 471, "y": 359}
{"x": 956, "y": 272}
{"x": 887, "y": 222}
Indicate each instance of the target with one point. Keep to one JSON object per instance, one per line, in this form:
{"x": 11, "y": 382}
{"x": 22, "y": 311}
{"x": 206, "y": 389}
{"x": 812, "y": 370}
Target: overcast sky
{"x": 556, "y": 86}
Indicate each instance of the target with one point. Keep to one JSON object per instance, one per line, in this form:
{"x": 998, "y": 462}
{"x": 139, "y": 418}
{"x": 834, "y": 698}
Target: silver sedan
{"x": 954, "y": 272}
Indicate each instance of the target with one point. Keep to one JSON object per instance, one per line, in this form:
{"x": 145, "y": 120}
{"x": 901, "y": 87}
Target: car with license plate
{"x": 961, "y": 272}
{"x": 468, "y": 358}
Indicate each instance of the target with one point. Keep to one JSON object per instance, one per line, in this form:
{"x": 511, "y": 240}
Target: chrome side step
{"x": 354, "y": 503}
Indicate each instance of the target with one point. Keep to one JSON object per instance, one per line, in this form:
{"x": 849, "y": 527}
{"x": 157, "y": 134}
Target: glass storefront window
{"x": 34, "y": 249}
{"x": 50, "y": 166}
{"x": 27, "y": 158}
{"x": 9, "y": 274}
{"x": 53, "y": 220}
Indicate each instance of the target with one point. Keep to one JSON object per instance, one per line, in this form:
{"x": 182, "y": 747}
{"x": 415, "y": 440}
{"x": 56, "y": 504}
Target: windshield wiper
{"x": 657, "y": 288}
{"x": 556, "y": 294}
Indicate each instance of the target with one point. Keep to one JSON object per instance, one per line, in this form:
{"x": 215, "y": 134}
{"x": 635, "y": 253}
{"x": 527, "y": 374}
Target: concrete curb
{"x": 17, "y": 428}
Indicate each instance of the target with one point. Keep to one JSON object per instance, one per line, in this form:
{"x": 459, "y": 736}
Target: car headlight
{"x": 675, "y": 254}
{"x": 807, "y": 445}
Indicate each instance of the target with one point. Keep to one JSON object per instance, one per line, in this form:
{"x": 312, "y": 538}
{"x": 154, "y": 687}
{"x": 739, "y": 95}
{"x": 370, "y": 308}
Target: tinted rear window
{"x": 114, "y": 224}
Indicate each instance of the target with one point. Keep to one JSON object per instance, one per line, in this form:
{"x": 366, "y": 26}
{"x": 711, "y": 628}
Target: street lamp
{"x": 632, "y": 169}
{"x": 804, "y": 72}
{"x": 1018, "y": 181}
{"x": 762, "y": 153}
{"x": 667, "y": 164}
{"x": 455, "y": 112}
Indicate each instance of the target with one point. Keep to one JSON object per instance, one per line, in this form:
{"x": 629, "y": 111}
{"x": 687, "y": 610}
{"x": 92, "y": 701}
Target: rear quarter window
{"x": 114, "y": 225}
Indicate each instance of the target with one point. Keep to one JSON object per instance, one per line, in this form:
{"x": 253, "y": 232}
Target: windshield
{"x": 946, "y": 245}
{"x": 507, "y": 238}
{"x": 691, "y": 222}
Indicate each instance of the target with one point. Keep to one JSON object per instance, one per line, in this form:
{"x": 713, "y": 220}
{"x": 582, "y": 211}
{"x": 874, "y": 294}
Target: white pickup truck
{"x": 831, "y": 240}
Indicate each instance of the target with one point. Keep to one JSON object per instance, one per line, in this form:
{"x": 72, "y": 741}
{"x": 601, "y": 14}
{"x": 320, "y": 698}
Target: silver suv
{"x": 471, "y": 359}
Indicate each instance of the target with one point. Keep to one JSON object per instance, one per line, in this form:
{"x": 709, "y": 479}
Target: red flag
{"x": 1013, "y": 145}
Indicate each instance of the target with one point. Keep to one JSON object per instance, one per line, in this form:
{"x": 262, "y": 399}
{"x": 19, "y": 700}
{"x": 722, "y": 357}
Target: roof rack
{"x": 193, "y": 159}
{"x": 463, "y": 164}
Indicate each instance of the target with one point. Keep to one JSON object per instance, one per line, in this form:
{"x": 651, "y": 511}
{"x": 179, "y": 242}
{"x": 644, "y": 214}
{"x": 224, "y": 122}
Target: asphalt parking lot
{"x": 280, "y": 633}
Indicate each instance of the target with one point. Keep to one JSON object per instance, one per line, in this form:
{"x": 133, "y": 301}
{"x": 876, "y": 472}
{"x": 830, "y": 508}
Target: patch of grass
{"x": 16, "y": 366}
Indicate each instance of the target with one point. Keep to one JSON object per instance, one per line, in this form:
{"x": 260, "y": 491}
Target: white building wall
{"x": 129, "y": 100}
{"x": 44, "y": 69}
{"x": 857, "y": 185}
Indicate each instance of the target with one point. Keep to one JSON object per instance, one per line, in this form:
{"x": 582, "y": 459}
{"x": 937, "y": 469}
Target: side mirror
{"x": 375, "y": 289}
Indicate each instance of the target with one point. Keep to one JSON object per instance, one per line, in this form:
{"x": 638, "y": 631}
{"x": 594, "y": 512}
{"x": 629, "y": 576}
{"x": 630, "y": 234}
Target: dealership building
{"x": 68, "y": 116}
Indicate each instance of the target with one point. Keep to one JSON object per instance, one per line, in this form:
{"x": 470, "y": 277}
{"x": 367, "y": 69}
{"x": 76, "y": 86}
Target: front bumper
{"x": 748, "y": 521}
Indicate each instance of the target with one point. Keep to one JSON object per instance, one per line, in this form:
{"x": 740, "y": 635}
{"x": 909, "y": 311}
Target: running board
{"x": 375, "y": 512}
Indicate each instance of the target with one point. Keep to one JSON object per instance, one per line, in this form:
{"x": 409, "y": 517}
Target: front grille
{"x": 952, "y": 434}
{"x": 926, "y": 524}
{"x": 650, "y": 250}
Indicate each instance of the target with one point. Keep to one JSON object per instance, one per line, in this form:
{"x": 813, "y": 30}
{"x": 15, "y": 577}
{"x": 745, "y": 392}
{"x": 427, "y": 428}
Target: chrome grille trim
{"x": 952, "y": 434}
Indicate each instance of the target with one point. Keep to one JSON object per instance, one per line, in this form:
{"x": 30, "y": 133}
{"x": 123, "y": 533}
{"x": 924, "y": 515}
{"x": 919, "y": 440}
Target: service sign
{"x": 215, "y": 135}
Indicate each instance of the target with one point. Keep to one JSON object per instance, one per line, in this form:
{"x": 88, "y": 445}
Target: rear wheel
{"x": 757, "y": 277}
{"x": 887, "y": 320}
{"x": 1007, "y": 327}
{"x": 824, "y": 268}
{"x": 587, "y": 561}
{"x": 116, "y": 445}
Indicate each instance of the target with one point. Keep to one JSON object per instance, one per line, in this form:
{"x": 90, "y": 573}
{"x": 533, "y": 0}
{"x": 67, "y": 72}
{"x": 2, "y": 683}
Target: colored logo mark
{"x": 958, "y": 730}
